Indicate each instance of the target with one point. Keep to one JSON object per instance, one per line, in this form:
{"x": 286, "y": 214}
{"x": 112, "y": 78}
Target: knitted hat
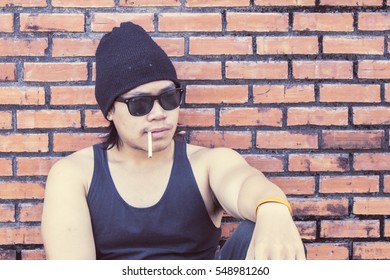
{"x": 126, "y": 58}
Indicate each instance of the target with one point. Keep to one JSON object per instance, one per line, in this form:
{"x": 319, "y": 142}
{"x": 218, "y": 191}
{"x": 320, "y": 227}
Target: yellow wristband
{"x": 274, "y": 199}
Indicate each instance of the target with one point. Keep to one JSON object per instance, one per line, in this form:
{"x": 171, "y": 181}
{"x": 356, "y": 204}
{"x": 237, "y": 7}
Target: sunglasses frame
{"x": 178, "y": 91}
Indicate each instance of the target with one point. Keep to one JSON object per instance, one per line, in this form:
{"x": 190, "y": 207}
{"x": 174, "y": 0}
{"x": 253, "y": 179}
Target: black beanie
{"x": 126, "y": 58}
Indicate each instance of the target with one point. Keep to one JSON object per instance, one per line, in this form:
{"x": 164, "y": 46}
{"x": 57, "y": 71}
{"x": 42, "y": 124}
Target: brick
{"x": 6, "y": 167}
{"x": 83, "y": 4}
{"x": 187, "y": 70}
{"x": 150, "y": 3}
{"x": 285, "y": 3}
{"x": 70, "y": 142}
{"x": 322, "y": 22}
{"x": 7, "y": 255}
{"x": 266, "y": 163}
{"x": 256, "y": 70}
{"x": 318, "y": 163}
{"x": 350, "y": 229}
{"x": 387, "y": 228}
{"x": 372, "y": 161}
{"x": 374, "y": 21}
{"x": 307, "y": 230}
{"x": 202, "y": 117}
{"x": 287, "y": 45}
{"x": 265, "y": 94}
{"x": 386, "y": 183}
{"x": 73, "y": 95}
{"x": 349, "y": 184}
{"x": 355, "y": 93}
{"x": 20, "y": 235}
{"x": 30, "y": 212}
{"x": 371, "y": 250}
{"x": 351, "y": 2}
{"x": 327, "y": 251}
{"x": 48, "y": 119}
{"x": 190, "y": 22}
{"x": 214, "y": 94}
{"x": 22, "y": 190}
{"x": 322, "y": 69}
{"x": 22, "y": 95}
{"x": 52, "y": 22}
{"x": 55, "y": 72}
{"x": 371, "y": 206}
{"x": 105, "y": 22}
{"x": 95, "y": 119}
{"x": 251, "y": 117}
{"x": 23, "y": 3}
{"x": 217, "y": 3}
{"x": 172, "y": 46}
{"x": 231, "y": 139}
{"x": 371, "y": 69}
{"x": 24, "y": 143}
{"x": 5, "y": 119}
{"x": 7, "y": 72}
{"x": 69, "y": 47}
{"x": 33, "y": 254}
{"x": 319, "y": 206}
{"x": 371, "y": 115}
{"x": 7, "y": 23}
{"x": 7, "y": 212}
{"x": 286, "y": 140}
{"x": 257, "y": 22}
{"x": 321, "y": 116}
{"x": 220, "y": 45}
{"x": 349, "y": 139}
{"x": 23, "y": 47}
{"x": 295, "y": 185}
{"x": 227, "y": 229}
{"x": 354, "y": 45}
{"x": 34, "y": 166}
{"x": 387, "y": 92}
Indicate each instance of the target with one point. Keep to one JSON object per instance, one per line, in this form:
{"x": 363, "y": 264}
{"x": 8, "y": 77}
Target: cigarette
{"x": 150, "y": 148}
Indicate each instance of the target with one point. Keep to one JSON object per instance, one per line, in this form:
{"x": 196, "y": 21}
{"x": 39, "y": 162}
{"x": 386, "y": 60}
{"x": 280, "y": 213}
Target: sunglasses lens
{"x": 140, "y": 106}
{"x": 170, "y": 100}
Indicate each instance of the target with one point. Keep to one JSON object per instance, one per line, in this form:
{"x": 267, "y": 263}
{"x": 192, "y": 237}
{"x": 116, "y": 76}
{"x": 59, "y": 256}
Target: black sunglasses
{"x": 141, "y": 105}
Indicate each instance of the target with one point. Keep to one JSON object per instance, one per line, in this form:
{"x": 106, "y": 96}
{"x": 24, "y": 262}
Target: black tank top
{"x": 176, "y": 227}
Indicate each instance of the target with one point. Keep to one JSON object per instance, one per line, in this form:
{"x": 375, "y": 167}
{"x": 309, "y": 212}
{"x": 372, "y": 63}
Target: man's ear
{"x": 110, "y": 112}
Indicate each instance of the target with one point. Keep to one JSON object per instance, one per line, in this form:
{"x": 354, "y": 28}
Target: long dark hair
{"x": 112, "y": 138}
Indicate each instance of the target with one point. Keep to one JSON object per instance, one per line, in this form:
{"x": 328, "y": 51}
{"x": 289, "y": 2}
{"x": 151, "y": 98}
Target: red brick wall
{"x": 300, "y": 87}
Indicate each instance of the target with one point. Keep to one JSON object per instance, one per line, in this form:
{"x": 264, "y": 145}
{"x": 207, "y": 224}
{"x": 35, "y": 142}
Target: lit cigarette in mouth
{"x": 150, "y": 148}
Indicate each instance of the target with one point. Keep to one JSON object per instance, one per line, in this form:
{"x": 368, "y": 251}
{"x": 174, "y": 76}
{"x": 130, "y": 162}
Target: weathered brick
{"x": 322, "y": 69}
{"x": 215, "y": 94}
{"x": 350, "y": 229}
{"x": 6, "y": 167}
{"x": 105, "y": 22}
{"x": 190, "y": 22}
{"x": 5, "y": 120}
{"x": 351, "y": 2}
{"x": 354, "y": 45}
{"x": 18, "y": 142}
{"x": 349, "y": 184}
{"x": 285, "y": 3}
{"x": 73, "y": 95}
{"x": 197, "y": 117}
{"x": 251, "y": 117}
{"x": 220, "y": 45}
{"x": 374, "y": 69}
{"x": 320, "y": 116}
{"x": 322, "y": 22}
{"x": 386, "y": 183}
{"x": 33, "y": 254}
{"x": 371, "y": 206}
{"x": 23, "y": 3}
{"x": 257, "y": 22}
{"x": 83, "y": 4}
{"x": 377, "y": 115}
{"x": 372, "y": 161}
{"x": 20, "y": 235}
{"x": 371, "y": 250}
{"x": 153, "y": 3}
{"x": 387, "y": 92}
{"x": 187, "y": 70}
{"x": 34, "y": 166}
{"x": 387, "y": 228}
{"x": 295, "y": 185}
{"x": 307, "y": 230}
{"x": 30, "y": 212}
{"x": 361, "y": 93}
{"x": 374, "y": 21}
{"x": 55, "y": 72}
{"x": 22, "y": 95}
{"x": 70, "y": 142}
{"x": 266, "y": 163}
{"x": 7, "y": 72}
{"x": 95, "y": 119}
{"x": 286, "y": 140}
{"x": 21, "y": 190}
{"x": 318, "y": 162}
{"x": 172, "y": 46}
{"x": 54, "y": 22}
{"x": 352, "y": 139}
{"x": 256, "y": 70}
{"x": 231, "y": 139}
{"x": 7, "y": 23}
{"x": 48, "y": 119}
{"x": 23, "y": 47}
{"x": 327, "y": 251}
{"x": 287, "y": 45}
{"x": 63, "y": 47}
{"x": 320, "y": 206}
{"x": 7, "y": 255}
{"x": 7, "y": 211}
{"x": 264, "y": 94}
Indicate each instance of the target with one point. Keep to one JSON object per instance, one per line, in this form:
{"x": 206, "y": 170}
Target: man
{"x": 143, "y": 195}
